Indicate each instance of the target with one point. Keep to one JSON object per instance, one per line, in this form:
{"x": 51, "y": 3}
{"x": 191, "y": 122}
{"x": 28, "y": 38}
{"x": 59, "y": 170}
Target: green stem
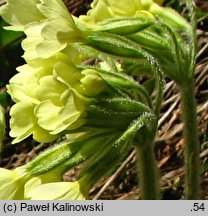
{"x": 147, "y": 172}
{"x": 192, "y": 163}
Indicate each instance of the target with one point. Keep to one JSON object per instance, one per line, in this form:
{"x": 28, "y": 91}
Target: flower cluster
{"x": 58, "y": 93}
{"x": 52, "y": 97}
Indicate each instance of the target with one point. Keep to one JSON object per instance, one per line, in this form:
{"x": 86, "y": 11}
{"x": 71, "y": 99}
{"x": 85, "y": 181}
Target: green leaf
{"x": 53, "y": 157}
{"x": 9, "y": 44}
{"x": 159, "y": 75}
{"x": 144, "y": 120}
{"x": 115, "y": 113}
{"x": 4, "y": 97}
{"x": 8, "y": 37}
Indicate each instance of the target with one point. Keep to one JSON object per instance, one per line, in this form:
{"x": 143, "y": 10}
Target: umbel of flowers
{"x": 95, "y": 105}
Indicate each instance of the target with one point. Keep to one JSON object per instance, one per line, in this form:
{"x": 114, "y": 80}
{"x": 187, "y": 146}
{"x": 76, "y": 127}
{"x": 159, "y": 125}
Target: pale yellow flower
{"x": 77, "y": 190}
{"x": 12, "y": 183}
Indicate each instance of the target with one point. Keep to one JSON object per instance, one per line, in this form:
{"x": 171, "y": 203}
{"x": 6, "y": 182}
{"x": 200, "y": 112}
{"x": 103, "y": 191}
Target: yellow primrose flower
{"x": 23, "y": 123}
{"x": 12, "y": 183}
{"x": 30, "y": 11}
{"x": 77, "y": 190}
{"x": 52, "y": 98}
{"x": 107, "y": 9}
{"x": 20, "y": 13}
{"x": 48, "y": 25}
{"x": 54, "y": 175}
{"x": 22, "y": 90}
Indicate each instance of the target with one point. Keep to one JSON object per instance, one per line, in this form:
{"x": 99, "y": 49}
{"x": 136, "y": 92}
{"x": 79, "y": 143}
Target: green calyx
{"x": 127, "y": 25}
{"x": 106, "y": 158}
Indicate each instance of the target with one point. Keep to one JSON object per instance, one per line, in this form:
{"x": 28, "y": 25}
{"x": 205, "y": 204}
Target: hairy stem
{"x": 147, "y": 172}
{"x": 192, "y": 163}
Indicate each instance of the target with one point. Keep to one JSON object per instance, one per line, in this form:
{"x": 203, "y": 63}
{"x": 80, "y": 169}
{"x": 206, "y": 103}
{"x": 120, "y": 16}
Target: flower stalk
{"x": 190, "y": 135}
{"x": 147, "y": 172}
{"x": 146, "y": 164}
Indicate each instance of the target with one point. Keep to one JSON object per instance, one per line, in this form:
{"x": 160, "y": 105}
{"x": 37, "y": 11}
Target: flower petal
{"x": 68, "y": 74}
{"x": 22, "y": 121}
{"x": 60, "y": 191}
{"x": 29, "y": 44}
{"x": 47, "y": 115}
{"x": 17, "y": 83}
{"x": 8, "y": 184}
{"x": 56, "y": 35}
{"x": 42, "y": 135}
{"x": 20, "y": 13}
{"x": 54, "y": 9}
{"x": 11, "y": 183}
{"x": 55, "y": 118}
{"x": 50, "y": 89}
